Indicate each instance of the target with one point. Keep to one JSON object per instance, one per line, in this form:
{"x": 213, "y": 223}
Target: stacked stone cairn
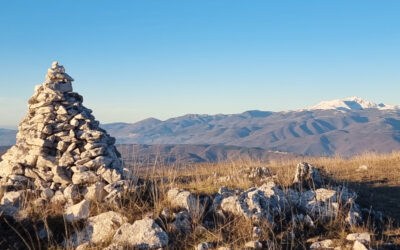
{"x": 61, "y": 152}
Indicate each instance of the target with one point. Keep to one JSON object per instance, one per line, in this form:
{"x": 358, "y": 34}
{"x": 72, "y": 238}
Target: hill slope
{"x": 347, "y": 127}
{"x": 309, "y": 132}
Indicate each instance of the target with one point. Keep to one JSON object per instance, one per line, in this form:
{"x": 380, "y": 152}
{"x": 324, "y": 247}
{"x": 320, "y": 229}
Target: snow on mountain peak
{"x": 351, "y": 103}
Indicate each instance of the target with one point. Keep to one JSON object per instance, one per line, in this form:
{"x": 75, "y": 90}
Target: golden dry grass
{"x": 377, "y": 186}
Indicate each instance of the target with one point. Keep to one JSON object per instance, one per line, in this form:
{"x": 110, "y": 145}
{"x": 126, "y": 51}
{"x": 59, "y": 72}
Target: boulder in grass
{"x": 142, "y": 234}
{"x": 307, "y": 176}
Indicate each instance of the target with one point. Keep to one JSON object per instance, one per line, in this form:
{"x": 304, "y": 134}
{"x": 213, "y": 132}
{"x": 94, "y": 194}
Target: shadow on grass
{"x": 375, "y": 195}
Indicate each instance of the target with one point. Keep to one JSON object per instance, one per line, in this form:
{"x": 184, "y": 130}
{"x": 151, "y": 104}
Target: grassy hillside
{"x": 376, "y": 179}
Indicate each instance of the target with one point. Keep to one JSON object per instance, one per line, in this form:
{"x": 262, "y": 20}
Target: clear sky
{"x": 137, "y": 59}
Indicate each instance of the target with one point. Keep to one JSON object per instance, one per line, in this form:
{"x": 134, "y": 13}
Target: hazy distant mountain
{"x": 194, "y": 153}
{"x": 345, "y": 126}
{"x": 7, "y": 136}
{"x": 149, "y": 154}
{"x": 348, "y": 126}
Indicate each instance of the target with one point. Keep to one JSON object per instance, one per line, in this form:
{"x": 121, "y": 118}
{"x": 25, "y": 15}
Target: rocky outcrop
{"x": 301, "y": 205}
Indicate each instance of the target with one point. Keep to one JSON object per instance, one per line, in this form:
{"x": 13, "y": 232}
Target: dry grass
{"x": 378, "y": 186}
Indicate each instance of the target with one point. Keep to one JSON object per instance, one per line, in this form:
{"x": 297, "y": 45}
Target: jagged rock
{"x": 99, "y": 229}
{"x": 324, "y": 244}
{"x": 11, "y": 201}
{"x": 256, "y": 203}
{"x": 361, "y": 237}
{"x": 261, "y": 173}
{"x": 182, "y": 223}
{"x": 83, "y": 246}
{"x": 326, "y": 195}
{"x": 143, "y": 234}
{"x": 277, "y": 198}
{"x": 359, "y": 246}
{"x": 88, "y": 177}
{"x": 362, "y": 168}
{"x": 71, "y": 192}
{"x": 204, "y": 246}
{"x": 12, "y": 198}
{"x": 253, "y": 245}
{"x": 324, "y": 211}
{"x": 165, "y": 214}
{"x": 307, "y": 175}
{"x": 114, "y": 198}
{"x": 119, "y": 186}
{"x": 115, "y": 246}
{"x": 78, "y": 211}
{"x": 223, "y": 193}
{"x": 354, "y": 216}
{"x": 60, "y": 176}
{"x": 95, "y": 192}
{"x": 257, "y": 231}
{"x": 185, "y": 200}
{"x": 301, "y": 219}
{"x": 47, "y": 193}
{"x": 58, "y": 197}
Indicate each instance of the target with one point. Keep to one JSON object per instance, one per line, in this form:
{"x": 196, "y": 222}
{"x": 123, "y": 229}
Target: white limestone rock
{"x": 115, "y": 246}
{"x": 324, "y": 244}
{"x": 71, "y": 192}
{"x": 87, "y": 177}
{"x": 11, "y": 201}
{"x": 326, "y": 195}
{"x": 181, "y": 223}
{"x": 307, "y": 174}
{"x": 359, "y": 246}
{"x": 184, "y": 199}
{"x": 354, "y": 217}
{"x": 47, "y": 194}
{"x": 12, "y": 198}
{"x": 95, "y": 192}
{"x": 58, "y": 197}
{"x": 143, "y": 234}
{"x": 253, "y": 245}
{"x": 204, "y": 246}
{"x": 252, "y": 204}
{"x": 361, "y": 237}
{"x": 99, "y": 229}
{"x": 78, "y": 211}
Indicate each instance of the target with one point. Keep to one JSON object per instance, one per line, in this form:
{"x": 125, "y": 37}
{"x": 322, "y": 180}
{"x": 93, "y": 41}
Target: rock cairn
{"x": 60, "y": 151}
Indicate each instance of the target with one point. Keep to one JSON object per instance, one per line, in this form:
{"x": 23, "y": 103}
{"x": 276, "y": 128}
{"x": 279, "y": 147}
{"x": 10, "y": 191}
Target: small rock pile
{"x": 61, "y": 152}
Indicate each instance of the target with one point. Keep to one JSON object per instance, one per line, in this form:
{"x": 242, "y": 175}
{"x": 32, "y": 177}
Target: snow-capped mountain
{"x": 346, "y": 126}
{"x": 351, "y": 103}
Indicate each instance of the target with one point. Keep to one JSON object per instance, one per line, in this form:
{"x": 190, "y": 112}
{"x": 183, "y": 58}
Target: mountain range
{"x": 345, "y": 126}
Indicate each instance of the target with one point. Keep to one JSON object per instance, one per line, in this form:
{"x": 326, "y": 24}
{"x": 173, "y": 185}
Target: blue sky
{"x": 137, "y": 59}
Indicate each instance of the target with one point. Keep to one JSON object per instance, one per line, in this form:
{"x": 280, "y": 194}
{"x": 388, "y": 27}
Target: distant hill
{"x": 148, "y": 154}
{"x": 195, "y": 153}
{"x": 3, "y": 149}
{"x": 347, "y": 127}
{"x": 7, "y": 136}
